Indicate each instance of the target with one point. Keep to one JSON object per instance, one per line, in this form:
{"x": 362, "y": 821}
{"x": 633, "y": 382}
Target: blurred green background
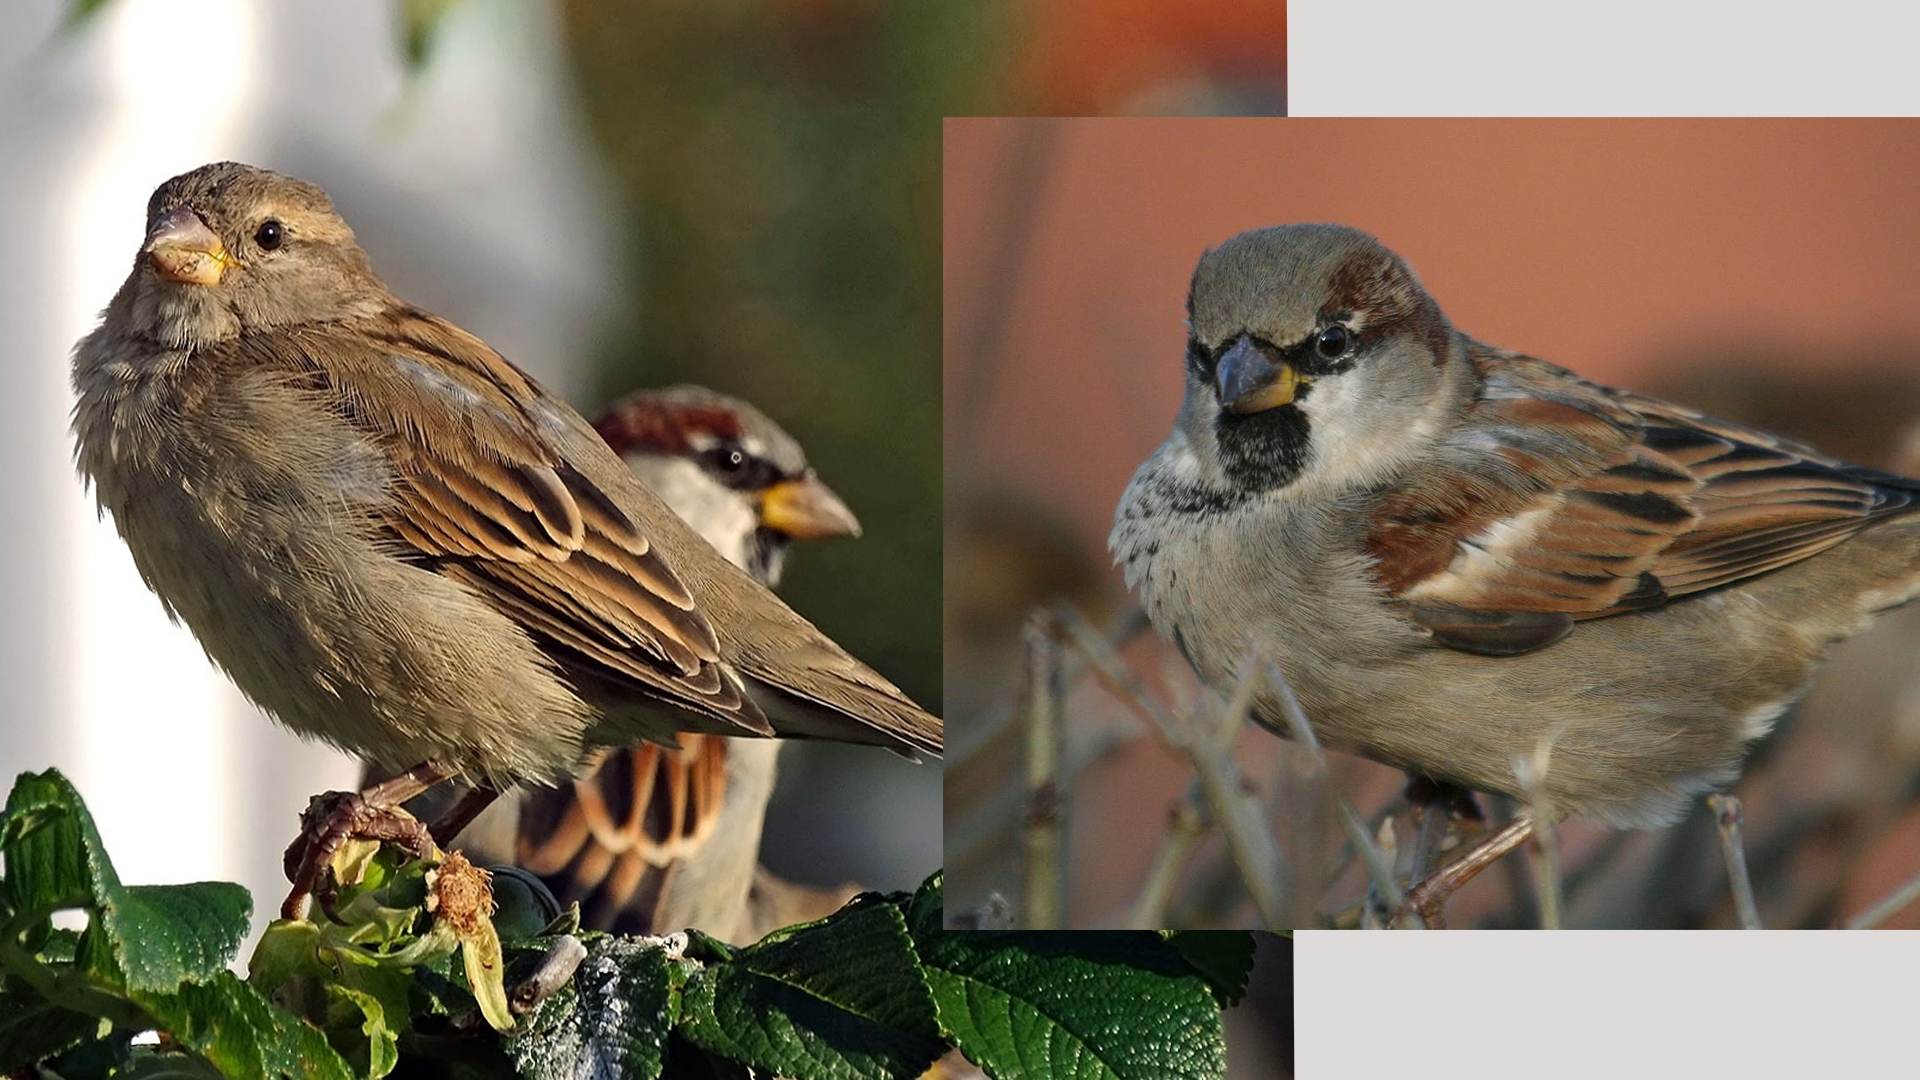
{"x": 781, "y": 162}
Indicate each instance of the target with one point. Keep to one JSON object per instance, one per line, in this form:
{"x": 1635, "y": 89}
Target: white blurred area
{"x": 472, "y": 189}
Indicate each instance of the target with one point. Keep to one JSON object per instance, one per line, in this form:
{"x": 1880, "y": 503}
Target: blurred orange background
{"x": 1763, "y": 269}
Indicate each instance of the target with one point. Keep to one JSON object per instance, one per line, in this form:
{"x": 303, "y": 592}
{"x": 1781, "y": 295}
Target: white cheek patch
{"x": 1354, "y": 442}
{"x": 722, "y": 517}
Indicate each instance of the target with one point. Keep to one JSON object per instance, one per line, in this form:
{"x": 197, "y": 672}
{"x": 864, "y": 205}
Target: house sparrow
{"x": 392, "y": 539}
{"x": 655, "y": 838}
{"x": 1457, "y": 554}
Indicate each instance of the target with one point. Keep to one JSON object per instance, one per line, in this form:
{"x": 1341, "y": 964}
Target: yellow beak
{"x": 805, "y": 509}
{"x": 182, "y": 248}
{"x": 1251, "y": 377}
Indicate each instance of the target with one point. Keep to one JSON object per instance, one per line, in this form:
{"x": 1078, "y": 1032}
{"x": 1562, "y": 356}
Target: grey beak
{"x": 1252, "y": 377}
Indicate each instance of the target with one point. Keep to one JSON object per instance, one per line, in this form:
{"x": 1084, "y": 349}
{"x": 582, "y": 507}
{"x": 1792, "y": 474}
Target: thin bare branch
{"x": 1545, "y": 854}
{"x": 1043, "y": 825}
{"x": 1728, "y": 816}
{"x": 1234, "y": 808}
{"x": 1888, "y": 907}
{"x": 1242, "y": 823}
{"x": 1379, "y": 868}
{"x": 1185, "y": 823}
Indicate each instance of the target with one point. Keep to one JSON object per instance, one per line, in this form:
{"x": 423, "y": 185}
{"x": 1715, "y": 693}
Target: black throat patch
{"x": 1264, "y": 450}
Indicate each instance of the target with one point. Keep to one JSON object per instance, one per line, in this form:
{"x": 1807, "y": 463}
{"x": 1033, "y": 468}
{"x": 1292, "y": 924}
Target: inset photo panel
{"x": 1454, "y": 523}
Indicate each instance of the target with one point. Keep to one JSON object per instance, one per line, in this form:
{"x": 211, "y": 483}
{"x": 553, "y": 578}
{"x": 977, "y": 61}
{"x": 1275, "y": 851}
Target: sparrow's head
{"x": 1315, "y": 359}
{"x": 731, "y": 473}
{"x": 233, "y": 249}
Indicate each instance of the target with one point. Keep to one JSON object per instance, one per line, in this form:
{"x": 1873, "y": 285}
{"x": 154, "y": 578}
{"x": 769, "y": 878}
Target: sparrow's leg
{"x": 471, "y": 804}
{"x": 334, "y": 817}
{"x": 1428, "y": 897}
{"x": 1438, "y": 807}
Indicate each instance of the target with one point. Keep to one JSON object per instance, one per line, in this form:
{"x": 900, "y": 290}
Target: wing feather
{"x": 485, "y": 494}
{"x": 1562, "y": 500}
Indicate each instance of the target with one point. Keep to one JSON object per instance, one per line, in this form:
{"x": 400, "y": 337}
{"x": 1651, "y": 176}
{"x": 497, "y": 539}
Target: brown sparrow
{"x": 392, "y": 539}
{"x": 1457, "y": 554}
{"x": 657, "y": 838}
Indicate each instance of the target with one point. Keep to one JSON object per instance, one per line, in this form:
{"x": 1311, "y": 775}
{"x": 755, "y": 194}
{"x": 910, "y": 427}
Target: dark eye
{"x": 1198, "y": 360}
{"x": 738, "y": 469}
{"x": 269, "y": 235}
{"x": 726, "y": 460}
{"x": 1333, "y": 341}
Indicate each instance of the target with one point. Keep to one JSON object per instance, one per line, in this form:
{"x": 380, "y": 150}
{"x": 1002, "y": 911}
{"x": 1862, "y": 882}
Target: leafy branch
{"x": 426, "y": 968}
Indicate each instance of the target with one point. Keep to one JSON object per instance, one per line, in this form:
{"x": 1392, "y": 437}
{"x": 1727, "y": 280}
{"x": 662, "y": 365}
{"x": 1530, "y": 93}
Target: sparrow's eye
{"x": 1333, "y": 341}
{"x": 737, "y": 469}
{"x": 270, "y": 235}
{"x": 1198, "y": 359}
{"x": 725, "y": 460}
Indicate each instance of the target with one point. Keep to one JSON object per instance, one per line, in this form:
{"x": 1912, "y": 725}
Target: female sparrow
{"x": 392, "y": 539}
{"x": 1457, "y": 554}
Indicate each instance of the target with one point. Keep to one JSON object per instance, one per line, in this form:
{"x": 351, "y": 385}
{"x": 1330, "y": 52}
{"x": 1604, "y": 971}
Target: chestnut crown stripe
{"x": 663, "y": 429}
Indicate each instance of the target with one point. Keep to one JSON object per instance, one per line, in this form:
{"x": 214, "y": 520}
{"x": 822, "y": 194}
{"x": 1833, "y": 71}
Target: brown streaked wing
{"x": 1568, "y": 501}
{"x": 485, "y": 489}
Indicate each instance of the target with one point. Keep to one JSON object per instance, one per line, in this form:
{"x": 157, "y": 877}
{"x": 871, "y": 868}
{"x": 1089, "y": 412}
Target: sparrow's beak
{"x": 805, "y": 509}
{"x": 1251, "y": 377}
{"x": 182, "y": 248}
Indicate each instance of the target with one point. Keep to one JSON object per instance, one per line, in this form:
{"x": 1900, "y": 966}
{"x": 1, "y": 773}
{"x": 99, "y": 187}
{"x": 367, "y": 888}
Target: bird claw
{"x": 331, "y": 819}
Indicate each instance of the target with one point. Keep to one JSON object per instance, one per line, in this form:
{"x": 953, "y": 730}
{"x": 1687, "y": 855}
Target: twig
{"x": 1545, "y": 854}
{"x": 1379, "y": 870}
{"x": 555, "y": 969}
{"x": 1729, "y": 817}
{"x": 1888, "y": 907}
{"x": 1185, "y": 823}
{"x": 1073, "y": 667}
{"x": 1241, "y": 821}
{"x": 1116, "y": 677}
{"x": 1043, "y": 825}
{"x": 1210, "y": 748}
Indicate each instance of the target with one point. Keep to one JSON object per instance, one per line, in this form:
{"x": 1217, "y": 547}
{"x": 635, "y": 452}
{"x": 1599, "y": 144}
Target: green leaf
{"x": 241, "y": 1033}
{"x": 380, "y": 1041}
{"x": 32, "y": 1030}
{"x": 96, "y": 1059}
{"x": 611, "y": 1020}
{"x": 1223, "y": 957}
{"x": 486, "y": 973}
{"x": 1117, "y": 1005}
{"x": 925, "y": 909}
{"x": 169, "y": 1065}
{"x": 156, "y": 936}
{"x": 840, "y": 999}
{"x": 167, "y": 934}
{"x": 359, "y": 1001}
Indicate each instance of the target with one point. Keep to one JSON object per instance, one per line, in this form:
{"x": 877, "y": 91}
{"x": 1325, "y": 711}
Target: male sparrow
{"x": 392, "y": 539}
{"x": 656, "y": 838}
{"x": 1457, "y": 554}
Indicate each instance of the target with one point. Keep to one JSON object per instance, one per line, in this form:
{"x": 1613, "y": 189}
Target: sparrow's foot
{"x": 1440, "y": 811}
{"x": 1429, "y": 897}
{"x": 334, "y": 817}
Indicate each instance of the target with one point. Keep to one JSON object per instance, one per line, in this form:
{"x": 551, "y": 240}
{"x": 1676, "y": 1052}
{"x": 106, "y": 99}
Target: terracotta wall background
{"x": 1611, "y": 247}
